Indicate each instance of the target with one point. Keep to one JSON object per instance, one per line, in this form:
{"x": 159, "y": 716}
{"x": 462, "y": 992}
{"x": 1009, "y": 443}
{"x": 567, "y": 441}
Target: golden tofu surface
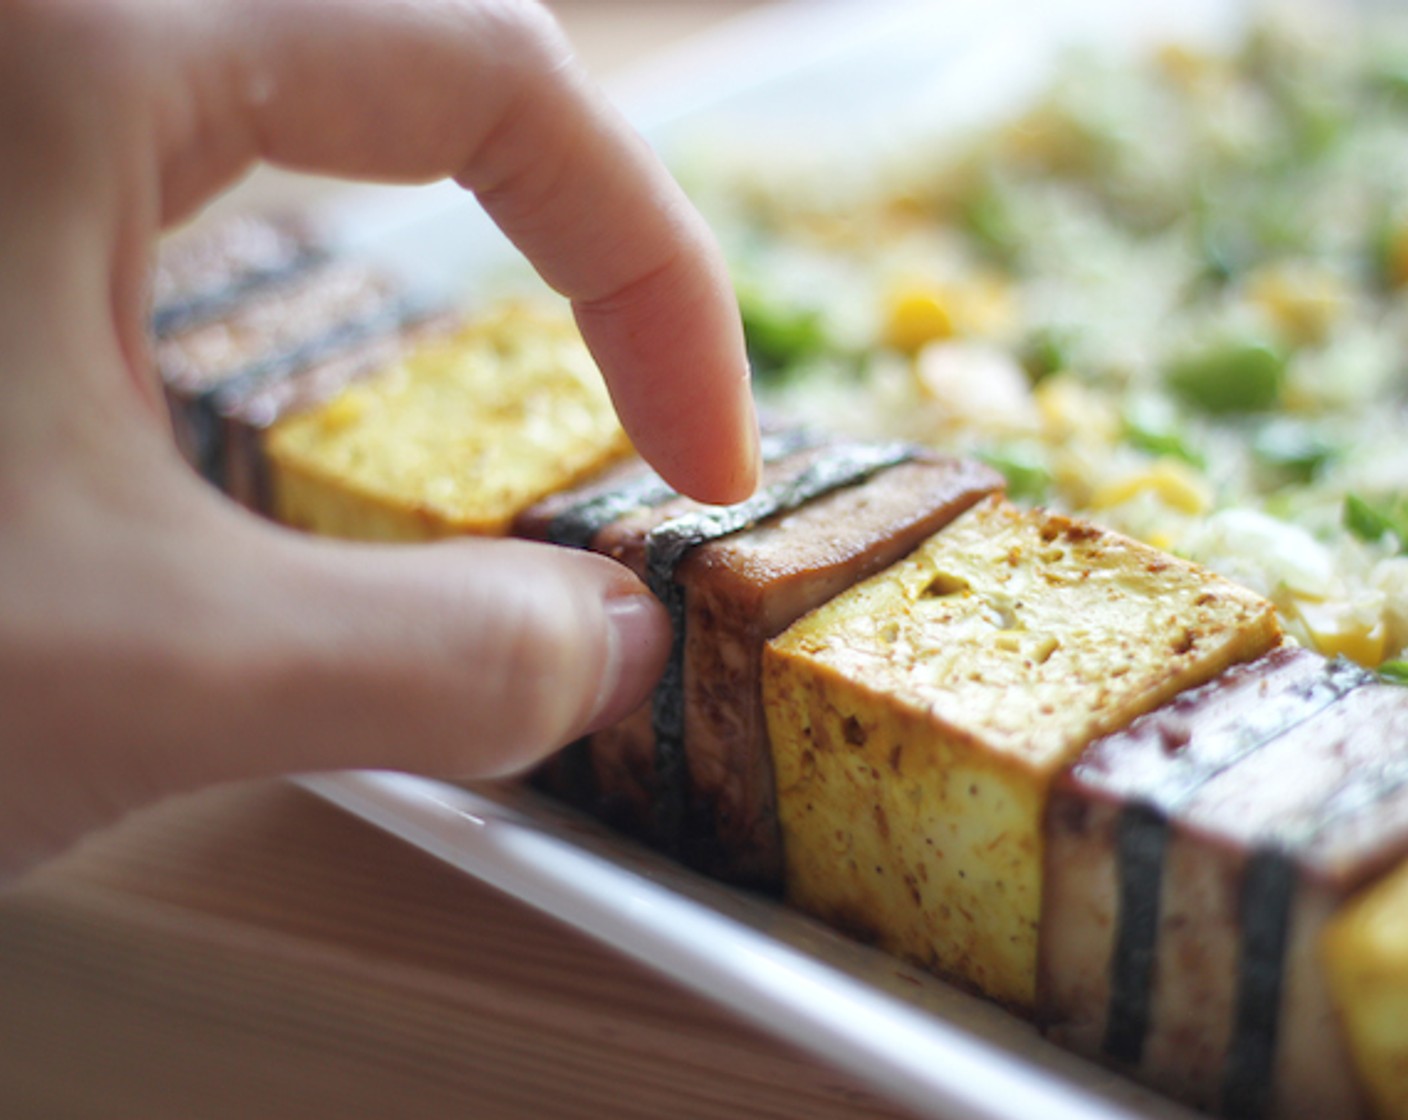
{"x": 917, "y": 721}
{"x": 457, "y": 437}
{"x": 1365, "y": 950}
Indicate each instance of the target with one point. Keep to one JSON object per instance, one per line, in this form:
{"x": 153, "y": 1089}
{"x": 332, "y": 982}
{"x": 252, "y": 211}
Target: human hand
{"x": 153, "y": 637}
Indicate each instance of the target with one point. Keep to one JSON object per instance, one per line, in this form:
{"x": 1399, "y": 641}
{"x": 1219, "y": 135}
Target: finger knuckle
{"x": 523, "y": 34}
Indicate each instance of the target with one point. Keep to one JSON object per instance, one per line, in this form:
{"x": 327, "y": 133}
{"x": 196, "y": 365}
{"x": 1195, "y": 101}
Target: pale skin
{"x": 153, "y": 637}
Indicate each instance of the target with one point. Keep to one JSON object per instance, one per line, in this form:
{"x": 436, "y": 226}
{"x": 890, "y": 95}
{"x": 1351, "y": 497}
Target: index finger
{"x": 487, "y": 91}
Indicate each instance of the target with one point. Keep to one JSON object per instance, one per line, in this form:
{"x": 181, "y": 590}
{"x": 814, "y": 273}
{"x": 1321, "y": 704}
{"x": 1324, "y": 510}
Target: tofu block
{"x": 1191, "y": 862}
{"x": 245, "y": 412}
{"x": 918, "y": 722}
{"x": 263, "y": 335}
{"x": 203, "y": 272}
{"x": 459, "y": 436}
{"x": 692, "y": 771}
{"x": 1366, "y": 955}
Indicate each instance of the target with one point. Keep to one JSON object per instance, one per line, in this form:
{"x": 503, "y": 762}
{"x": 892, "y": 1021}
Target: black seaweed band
{"x": 203, "y": 411}
{"x": 1268, "y": 891}
{"x": 669, "y": 543}
{"x": 1140, "y": 845}
{"x": 204, "y": 307}
{"x": 578, "y": 527}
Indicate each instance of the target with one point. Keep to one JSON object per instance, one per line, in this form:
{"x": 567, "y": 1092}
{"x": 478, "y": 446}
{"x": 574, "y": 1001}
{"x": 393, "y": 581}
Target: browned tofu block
{"x": 459, "y": 437}
{"x": 918, "y": 720}
{"x": 693, "y": 772}
{"x": 245, "y": 412}
{"x": 1192, "y": 862}
{"x": 256, "y": 334}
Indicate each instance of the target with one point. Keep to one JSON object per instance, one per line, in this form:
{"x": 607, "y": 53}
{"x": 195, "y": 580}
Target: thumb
{"x": 470, "y": 658}
{"x": 154, "y": 639}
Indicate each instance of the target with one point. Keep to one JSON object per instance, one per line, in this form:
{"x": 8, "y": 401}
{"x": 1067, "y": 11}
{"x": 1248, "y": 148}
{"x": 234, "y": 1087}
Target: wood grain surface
{"x": 254, "y": 952}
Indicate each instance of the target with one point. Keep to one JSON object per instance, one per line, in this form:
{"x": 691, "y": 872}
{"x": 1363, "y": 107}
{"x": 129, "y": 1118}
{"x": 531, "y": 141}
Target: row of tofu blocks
{"x": 1063, "y": 769}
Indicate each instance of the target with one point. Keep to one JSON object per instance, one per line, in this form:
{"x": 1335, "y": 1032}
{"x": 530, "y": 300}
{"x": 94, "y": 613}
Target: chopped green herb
{"x": 1224, "y": 256}
{"x": 1028, "y": 480}
{"x": 1316, "y": 124}
{"x": 1146, "y": 430}
{"x": 1370, "y": 521}
{"x": 987, "y": 218}
{"x": 1389, "y": 76}
{"x": 1294, "y": 449}
{"x": 780, "y": 337}
{"x": 1044, "y": 352}
{"x": 1394, "y": 671}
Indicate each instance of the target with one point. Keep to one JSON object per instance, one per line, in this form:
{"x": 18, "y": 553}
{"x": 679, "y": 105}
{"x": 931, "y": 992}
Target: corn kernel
{"x": 1341, "y": 629}
{"x": 917, "y": 317}
{"x": 1303, "y": 301}
{"x": 1174, "y": 483}
{"x": 1187, "y": 67}
{"x": 1066, "y": 407}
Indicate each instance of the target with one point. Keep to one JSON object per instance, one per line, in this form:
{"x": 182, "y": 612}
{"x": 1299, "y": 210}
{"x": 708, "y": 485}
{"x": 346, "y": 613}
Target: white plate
{"x": 836, "y": 68}
{"x": 938, "y": 1051}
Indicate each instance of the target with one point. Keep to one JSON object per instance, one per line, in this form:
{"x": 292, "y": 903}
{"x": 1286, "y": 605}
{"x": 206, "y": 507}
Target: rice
{"x": 1171, "y": 296}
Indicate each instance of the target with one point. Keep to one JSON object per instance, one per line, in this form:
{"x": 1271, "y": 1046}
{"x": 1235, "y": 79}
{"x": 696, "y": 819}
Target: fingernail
{"x": 638, "y": 642}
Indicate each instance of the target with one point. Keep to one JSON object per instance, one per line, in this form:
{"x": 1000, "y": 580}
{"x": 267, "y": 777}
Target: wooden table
{"x": 253, "y": 952}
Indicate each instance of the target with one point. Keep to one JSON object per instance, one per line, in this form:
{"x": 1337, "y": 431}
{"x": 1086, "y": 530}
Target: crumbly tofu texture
{"x": 1365, "y": 950}
{"x": 918, "y": 720}
{"x": 457, "y": 437}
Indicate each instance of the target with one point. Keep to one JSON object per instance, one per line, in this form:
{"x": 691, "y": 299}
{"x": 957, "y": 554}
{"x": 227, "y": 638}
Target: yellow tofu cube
{"x": 457, "y": 437}
{"x": 1365, "y": 950}
{"x": 918, "y": 720}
